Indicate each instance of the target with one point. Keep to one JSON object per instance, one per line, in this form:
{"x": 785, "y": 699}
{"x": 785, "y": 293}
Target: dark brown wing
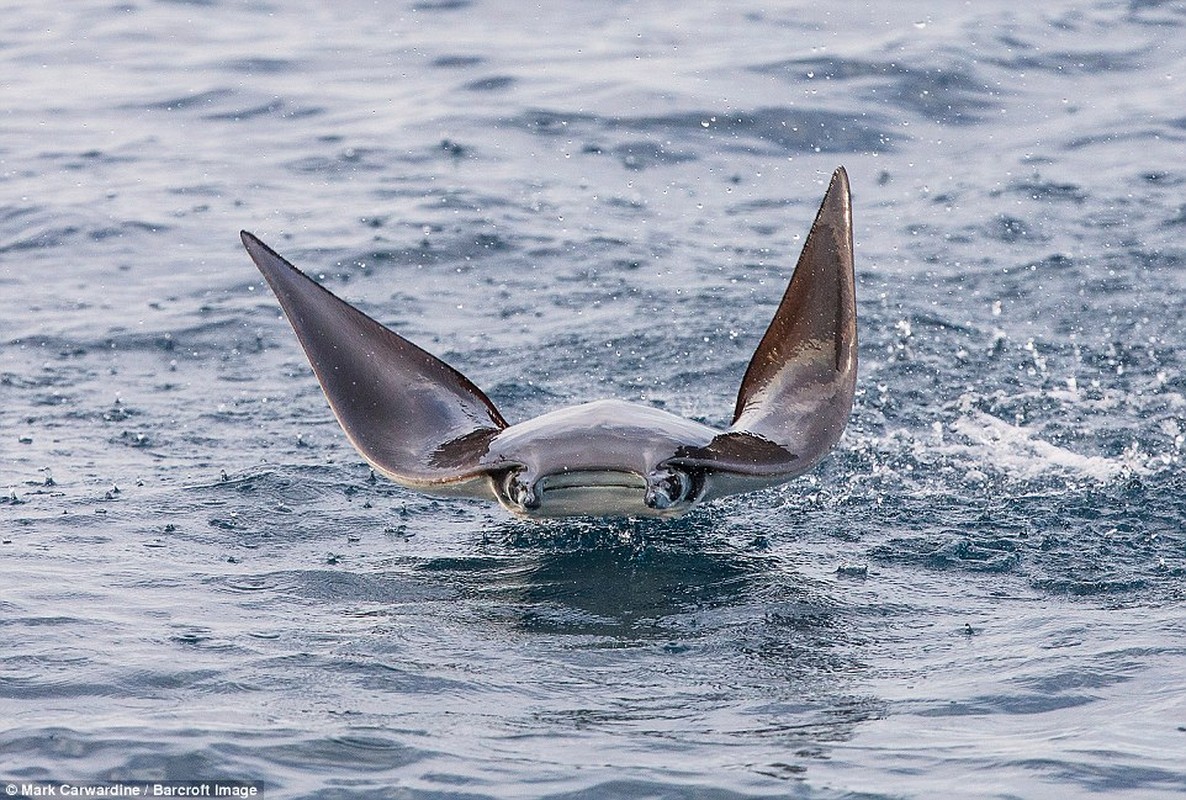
{"x": 797, "y": 393}
{"x": 410, "y": 414}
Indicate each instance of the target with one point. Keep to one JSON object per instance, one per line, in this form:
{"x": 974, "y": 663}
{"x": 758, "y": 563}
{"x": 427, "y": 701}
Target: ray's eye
{"x": 666, "y": 487}
{"x": 519, "y": 491}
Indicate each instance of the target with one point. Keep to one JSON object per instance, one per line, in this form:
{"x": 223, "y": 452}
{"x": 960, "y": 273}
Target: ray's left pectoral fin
{"x": 411, "y": 415}
{"x": 797, "y": 392}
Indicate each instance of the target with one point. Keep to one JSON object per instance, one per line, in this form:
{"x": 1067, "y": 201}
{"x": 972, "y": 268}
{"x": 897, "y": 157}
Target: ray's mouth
{"x": 588, "y": 479}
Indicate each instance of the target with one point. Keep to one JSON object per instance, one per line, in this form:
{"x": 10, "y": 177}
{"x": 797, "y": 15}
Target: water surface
{"x": 979, "y": 594}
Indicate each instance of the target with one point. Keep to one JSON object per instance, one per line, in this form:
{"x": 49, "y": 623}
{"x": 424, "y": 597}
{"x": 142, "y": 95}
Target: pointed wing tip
{"x": 839, "y": 191}
{"x": 835, "y": 212}
{"x": 255, "y": 245}
{"x": 266, "y": 259}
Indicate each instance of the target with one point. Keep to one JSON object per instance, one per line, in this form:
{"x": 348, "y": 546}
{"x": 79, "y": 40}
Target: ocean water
{"x": 979, "y": 594}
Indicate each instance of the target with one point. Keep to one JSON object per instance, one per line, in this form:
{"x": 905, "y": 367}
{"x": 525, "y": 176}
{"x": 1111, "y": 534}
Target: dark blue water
{"x": 979, "y": 594}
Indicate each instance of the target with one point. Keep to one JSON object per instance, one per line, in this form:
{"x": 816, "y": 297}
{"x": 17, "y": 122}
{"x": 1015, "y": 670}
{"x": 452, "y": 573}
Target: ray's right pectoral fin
{"x": 411, "y": 415}
{"x": 797, "y": 392}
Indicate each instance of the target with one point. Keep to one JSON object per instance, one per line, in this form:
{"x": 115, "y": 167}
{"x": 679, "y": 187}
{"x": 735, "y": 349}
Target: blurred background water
{"x": 979, "y": 594}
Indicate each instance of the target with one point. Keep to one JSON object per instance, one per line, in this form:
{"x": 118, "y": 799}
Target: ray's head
{"x": 605, "y": 458}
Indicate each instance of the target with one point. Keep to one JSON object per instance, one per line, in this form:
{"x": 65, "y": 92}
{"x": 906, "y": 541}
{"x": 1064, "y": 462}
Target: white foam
{"x": 1021, "y": 454}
